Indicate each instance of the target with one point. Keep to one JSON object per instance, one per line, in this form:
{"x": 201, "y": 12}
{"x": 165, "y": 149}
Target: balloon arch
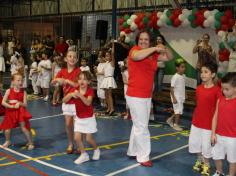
{"x": 130, "y": 25}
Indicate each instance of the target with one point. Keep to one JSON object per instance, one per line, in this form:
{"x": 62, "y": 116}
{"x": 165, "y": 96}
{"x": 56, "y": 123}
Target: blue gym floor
{"x": 169, "y": 148}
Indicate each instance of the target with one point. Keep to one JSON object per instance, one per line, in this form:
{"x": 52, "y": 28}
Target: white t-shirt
{"x": 46, "y": 73}
{"x": 178, "y": 83}
{"x": 86, "y": 68}
{"x": 14, "y": 62}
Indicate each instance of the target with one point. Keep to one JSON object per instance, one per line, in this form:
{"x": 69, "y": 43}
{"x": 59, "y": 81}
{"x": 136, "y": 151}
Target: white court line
{"x": 44, "y": 163}
{"x": 154, "y": 158}
{"x": 46, "y": 117}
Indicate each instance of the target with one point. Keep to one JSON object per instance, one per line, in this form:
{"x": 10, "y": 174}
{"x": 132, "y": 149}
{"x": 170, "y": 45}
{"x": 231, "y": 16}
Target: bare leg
{"x": 232, "y": 169}
{"x": 219, "y": 165}
{"x": 110, "y": 99}
{"x": 107, "y": 100}
{"x": 26, "y": 133}
{"x": 8, "y": 138}
{"x": 56, "y": 94}
{"x": 69, "y": 129}
{"x": 79, "y": 141}
{"x": 177, "y": 117}
{"x": 91, "y": 141}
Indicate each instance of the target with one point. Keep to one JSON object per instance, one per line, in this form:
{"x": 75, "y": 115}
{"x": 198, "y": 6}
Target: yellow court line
{"x": 108, "y": 146}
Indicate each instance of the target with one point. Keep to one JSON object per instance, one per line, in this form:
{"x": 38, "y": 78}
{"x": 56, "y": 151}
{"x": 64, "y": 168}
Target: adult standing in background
{"x": 142, "y": 65}
{"x": 49, "y": 45}
{"x": 61, "y": 47}
{"x": 202, "y": 45}
{"x": 2, "y": 63}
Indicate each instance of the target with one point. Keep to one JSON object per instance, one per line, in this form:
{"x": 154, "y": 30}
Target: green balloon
{"x": 132, "y": 43}
{"x": 218, "y": 15}
{"x": 168, "y": 13}
{"x": 231, "y": 44}
{"x": 191, "y": 18}
{"x": 126, "y": 17}
{"x": 125, "y": 25}
{"x": 193, "y": 25}
{"x": 221, "y": 45}
{"x": 169, "y": 22}
{"x": 194, "y": 11}
{"x": 145, "y": 20}
{"x": 217, "y": 24}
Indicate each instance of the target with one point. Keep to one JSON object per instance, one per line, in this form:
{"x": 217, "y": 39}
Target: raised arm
{"x": 113, "y": 54}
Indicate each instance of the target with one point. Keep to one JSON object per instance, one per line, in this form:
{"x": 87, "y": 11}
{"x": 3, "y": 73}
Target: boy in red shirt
{"x": 224, "y": 126}
{"x": 207, "y": 95}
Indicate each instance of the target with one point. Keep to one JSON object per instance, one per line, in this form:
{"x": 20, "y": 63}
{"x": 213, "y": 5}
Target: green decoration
{"x": 231, "y": 44}
{"x": 194, "y": 11}
{"x": 168, "y": 13}
{"x": 126, "y": 17}
{"x": 125, "y": 25}
{"x": 193, "y": 25}
{"x": 218, "y": 15}
{"x": 169, "y": 22}
{"x": 145, "y": 20}
{"x": 191, "y": 18}
{"x": 217, "y": 24}
{"x": 221, "y": 45}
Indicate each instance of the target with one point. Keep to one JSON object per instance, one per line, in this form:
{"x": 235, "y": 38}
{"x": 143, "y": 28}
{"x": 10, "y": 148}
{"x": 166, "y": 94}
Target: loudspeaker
{"x": 77, "y": 29}
{"x": 101, "y": 29}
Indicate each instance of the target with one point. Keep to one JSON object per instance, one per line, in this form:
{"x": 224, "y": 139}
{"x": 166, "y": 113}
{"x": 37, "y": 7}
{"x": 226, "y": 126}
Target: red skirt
{"x": 13, "y": 117}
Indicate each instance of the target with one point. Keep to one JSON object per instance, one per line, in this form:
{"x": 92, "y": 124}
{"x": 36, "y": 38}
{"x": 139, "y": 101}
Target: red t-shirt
{"x": 82, "y": 110}
{"x": 141, "y": 75}
{"x": 72, "y": 76}
{"x": 206, "y": 99}
{"x": 226, "y": 125}
{"x": 61, "y": 48}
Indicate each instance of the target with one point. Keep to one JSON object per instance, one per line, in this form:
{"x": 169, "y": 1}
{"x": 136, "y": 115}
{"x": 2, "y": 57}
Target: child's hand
{"x": 17, "y": 105}
{"x": 75, "y": 94}
{"x": 213, "y": 139}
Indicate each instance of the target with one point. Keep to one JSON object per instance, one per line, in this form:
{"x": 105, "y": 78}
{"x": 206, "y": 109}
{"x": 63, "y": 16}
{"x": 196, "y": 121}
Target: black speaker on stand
{"x": 101, "y": 30}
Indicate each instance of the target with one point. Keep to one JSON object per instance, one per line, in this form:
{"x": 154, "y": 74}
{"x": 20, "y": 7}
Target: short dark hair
{"x": 143, "y": 31}
{"x": 179, "y": 61}
{"x": 230, "y": 78}
{"x": 211, "y": 65}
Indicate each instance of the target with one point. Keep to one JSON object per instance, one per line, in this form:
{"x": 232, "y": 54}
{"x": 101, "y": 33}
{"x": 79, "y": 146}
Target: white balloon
{"x": 186, "y": 12}
{"x": 131, "y": 35}
{"x": 232, "y": 38}
{"x": 133, "y": 26}
{"x": 165, "y": 11}
{"x": 221, "y": 34}
{"x": 207, "y": 14}
{"x": 211, "y": 19}
{"x": 127, "y": 39}
{"x": 122, "y": 33}
{"x": 215, "y": 11}
{"x": 206, "y": 23}
{"x": 129, "y": 21}
{"x": 185, "y": 23}
{"x": 182, "y": 17}
{"x": 163, "y": 18}
{"x": 160, "y": 23}
{"x": 133, "y": 17}
{"x": 159, "y": 14}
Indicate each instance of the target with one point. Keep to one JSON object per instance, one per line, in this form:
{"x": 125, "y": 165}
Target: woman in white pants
{"x": 142, "y": 65}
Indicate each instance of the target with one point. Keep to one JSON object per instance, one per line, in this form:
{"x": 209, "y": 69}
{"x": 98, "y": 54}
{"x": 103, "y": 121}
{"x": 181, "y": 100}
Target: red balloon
{"x": 231, "y": 23}
{"x": 177, "y": 12}
{"x": 228, "y": 14}
{"x": 137, "y": 20}
{"x": 155, "y": 26}
{"x": 226, "y": 52}
{"x": 128, "y": 30}
{"x": 224, "y": 27}
{"x": 121, "y": 21}
{"x": 121, "y": 28}
{"x": 141, "y": 15}
{"x": 177, "y": 22}
{"x": 150, "y": 24}
{"x": 141, "y": 25}
{"x": 224, "y": 20}
{"x": 200, "y": 19}
{"x": 198, "y": 13}
{"x": 173, "y": 17}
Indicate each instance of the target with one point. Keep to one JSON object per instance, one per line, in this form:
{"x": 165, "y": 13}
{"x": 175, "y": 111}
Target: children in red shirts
{"x": 16, "y": 114}
{"x": 67, "y": 77}
{"x": 206, "y": 98}
{"x": 84, "y": 122}
{"x": 224, "y": 126}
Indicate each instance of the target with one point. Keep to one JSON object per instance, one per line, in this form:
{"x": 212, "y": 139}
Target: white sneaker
{"x": 82, "y": 158}
{"x": 177, "y": 127}
{"x": 218, "y": 174}
{"x": 45, "y": 98}
{"x": 96, "y": 154}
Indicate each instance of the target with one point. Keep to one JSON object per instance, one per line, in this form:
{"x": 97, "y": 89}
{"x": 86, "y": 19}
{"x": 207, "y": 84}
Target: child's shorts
{"x": 178, "y": 107}
{"x": 85, "y": 125}
{"x": 200, "y": 141}
{"x": 68, "y": 109}
{"x": 45, "y": 83}
{"x": 225, "y": 146}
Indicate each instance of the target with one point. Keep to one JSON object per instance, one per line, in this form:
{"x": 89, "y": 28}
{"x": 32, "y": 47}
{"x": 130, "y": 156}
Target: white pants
{"x": 200, "y": 141}
{"x": 139, "y": 143}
